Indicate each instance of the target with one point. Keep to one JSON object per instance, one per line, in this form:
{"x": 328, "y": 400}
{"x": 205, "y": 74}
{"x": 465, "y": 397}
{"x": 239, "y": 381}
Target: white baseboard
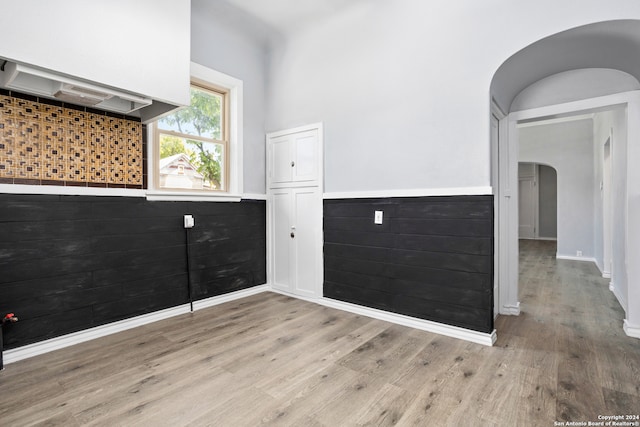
{"x": 400, "y": 319}
{"x": 631, "y": 330}
{"x": 606, "y": 275}
{"x": 31, "y": 350}
{"x": 576, "y": 258}
{"x": 232, "y": 296}
{"x": 510, "y": 310}
{"x": 412, "y": 322}
{"x": 551, "y": 239}
{"x": 616, "y": 292}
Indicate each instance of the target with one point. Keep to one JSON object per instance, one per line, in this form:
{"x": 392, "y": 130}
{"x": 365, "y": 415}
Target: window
{"x": 193, "y": 143}
{"x": 196, "y": 152}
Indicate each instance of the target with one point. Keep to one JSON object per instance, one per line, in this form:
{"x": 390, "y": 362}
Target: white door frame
{"x": 507, "y": 218}
{"x": 607, "y": 228}
{"x": 319, "y": 184}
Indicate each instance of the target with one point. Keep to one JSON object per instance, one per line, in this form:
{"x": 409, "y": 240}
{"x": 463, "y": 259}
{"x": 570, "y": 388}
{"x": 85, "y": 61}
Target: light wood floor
{"x": 273, "y": 360}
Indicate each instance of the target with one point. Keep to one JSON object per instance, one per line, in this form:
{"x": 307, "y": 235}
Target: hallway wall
{"x": 613, "y": 123}
{"x": 567, "y": 147}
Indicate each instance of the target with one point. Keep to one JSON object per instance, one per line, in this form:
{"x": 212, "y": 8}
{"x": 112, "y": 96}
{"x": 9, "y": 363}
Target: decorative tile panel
{"x": 98, "y": 149}
{"x": 117, "y": 152}
{"x": 28, "y": 148}
{"x": 134, "y": 152}
{"x": 54, "y": 143}
{"x": 61, "y": 144}
{"x": 7, "y": 137}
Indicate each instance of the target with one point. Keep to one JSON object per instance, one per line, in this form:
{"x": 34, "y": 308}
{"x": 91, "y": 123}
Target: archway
{"x": 553, "y": 80}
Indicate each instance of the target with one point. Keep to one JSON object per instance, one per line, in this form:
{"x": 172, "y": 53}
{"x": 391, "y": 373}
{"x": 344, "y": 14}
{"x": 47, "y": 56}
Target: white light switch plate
{"x": 377, "y": 218}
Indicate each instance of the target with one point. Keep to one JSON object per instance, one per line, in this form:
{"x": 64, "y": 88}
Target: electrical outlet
{"x": 377, "y": 218}
{"x": 579, "y": 253}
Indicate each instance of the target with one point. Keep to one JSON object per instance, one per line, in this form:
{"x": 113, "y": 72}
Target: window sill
{"x": 183, "y": 196}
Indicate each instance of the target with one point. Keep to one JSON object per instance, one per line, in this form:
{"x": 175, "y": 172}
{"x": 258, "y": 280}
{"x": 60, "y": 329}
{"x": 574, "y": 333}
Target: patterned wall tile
{"x": 28, "y": 139}
{"x": 98, "y": 149}
{"x": 117, "y": 151}
{"x": 76, "y": 145}
{"x": 48, "y": 142}
{"x": 134, "y": 152}
{"x": 54, "y": 143}
{"x": 7, "y": 137}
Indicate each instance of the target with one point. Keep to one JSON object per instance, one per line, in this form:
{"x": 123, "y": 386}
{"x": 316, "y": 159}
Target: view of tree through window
{"x": 192, "y": 144}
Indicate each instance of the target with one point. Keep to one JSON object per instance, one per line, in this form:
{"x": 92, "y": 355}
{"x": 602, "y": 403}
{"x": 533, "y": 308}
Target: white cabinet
{"x": 294, "y": 171}
{"x": 294, "y": 159}
{"x": 295, "y": 214}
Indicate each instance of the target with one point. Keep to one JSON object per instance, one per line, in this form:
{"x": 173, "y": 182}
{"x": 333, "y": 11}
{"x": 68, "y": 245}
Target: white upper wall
{"x": 574, "y": 85}
{"x": 231, "y": 43}
{"x": 141, "y": 46}
{"x": 403, "y": 87}
{"x": 568, "y": 148}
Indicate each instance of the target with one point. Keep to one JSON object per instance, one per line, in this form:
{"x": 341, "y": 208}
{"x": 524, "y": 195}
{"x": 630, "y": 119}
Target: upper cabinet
{"x": 138, "y": 48}
{"x": 293, "y": 159}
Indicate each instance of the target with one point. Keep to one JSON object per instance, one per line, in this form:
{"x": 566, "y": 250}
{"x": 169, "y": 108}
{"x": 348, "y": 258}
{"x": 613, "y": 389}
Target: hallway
{"x": 570, "y": 333}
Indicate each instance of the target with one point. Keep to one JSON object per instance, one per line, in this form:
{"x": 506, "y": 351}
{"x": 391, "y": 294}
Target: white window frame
{"x": 235, "y": 185}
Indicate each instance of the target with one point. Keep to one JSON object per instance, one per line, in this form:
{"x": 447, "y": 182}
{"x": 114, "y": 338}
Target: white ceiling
{"x": 288, "y": 16}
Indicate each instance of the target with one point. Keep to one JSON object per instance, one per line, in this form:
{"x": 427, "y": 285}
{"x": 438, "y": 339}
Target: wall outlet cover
{"x": 377, "y": 218}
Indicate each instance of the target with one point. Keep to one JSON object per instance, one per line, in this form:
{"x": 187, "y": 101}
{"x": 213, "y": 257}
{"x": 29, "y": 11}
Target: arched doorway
{"x": 565, "y": 77}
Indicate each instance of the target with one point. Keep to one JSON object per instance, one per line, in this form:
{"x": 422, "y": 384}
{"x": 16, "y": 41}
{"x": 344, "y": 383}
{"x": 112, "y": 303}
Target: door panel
{"x": 281, "y": 169}
{"x": 526, "y": 208}
{"x": 305, "y": 243}
{"x": 305, "y": 147}
{"x": 281, "y": 224}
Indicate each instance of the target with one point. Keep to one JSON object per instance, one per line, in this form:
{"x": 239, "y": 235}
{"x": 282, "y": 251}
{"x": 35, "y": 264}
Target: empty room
{"x": 244, "y": 212}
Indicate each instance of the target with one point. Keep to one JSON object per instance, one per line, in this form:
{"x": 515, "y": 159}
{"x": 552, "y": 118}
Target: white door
{"x": 527, "y": 208}
{"x": 280, "y": 169}
{"x": 294, "y": 159}
{"x": 306, "y": 229}
{"x": 294, "y": 162}
{"x": 296, "y": 241}
{"x": 304, "y": 150}
{"x": 281, "y": 218}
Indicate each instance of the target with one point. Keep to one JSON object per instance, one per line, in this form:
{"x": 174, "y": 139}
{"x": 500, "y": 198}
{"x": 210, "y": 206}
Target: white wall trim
{"x": 304, "y": 128}
{"x": 616, "y": 292}
{"x": 631, "y": 330}
{"x": 31, "y": 350}
{"x": 412, "y": 322}
{"x": 177, "y": 196}
{"x": 576, "y": 258}
{"x": 254, "y": 196}
{"x": 232, "y": 296}
{"x": 400, "y": 319}
{"x": 511, "y": 310}
{"x": 70, "y": 191}
{"x": 412, "y": 192}
{"x": 606, "y": 275}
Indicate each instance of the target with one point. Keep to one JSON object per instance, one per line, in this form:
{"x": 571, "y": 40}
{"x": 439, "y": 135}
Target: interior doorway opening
{"x": 537, "y": 201}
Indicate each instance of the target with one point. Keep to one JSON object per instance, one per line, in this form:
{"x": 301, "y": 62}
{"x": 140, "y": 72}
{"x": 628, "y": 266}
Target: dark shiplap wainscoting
{"x": 432, "y": 258}
{"x": 69, "y": 263}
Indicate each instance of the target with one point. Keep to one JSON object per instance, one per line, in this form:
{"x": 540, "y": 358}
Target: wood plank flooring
{"x": 274, "y": 360}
